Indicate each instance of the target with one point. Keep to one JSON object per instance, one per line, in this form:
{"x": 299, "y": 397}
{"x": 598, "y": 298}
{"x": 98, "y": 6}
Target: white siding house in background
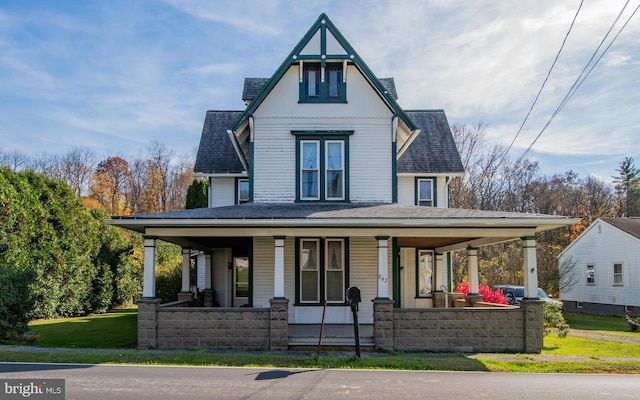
{"x": 604, "y": 273}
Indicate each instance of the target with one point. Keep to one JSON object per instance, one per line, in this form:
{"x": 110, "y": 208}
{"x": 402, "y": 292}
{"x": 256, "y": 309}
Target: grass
{"x": 112, "y": 330}
{"x": 116, "y": 330}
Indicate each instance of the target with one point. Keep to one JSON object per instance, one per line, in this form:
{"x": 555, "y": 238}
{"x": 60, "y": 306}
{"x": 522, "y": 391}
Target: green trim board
{"x": 322, "y": 23}
{"x": 397, "y": 284}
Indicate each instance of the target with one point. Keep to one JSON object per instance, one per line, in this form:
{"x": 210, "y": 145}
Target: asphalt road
{"x": 102, "y": 382}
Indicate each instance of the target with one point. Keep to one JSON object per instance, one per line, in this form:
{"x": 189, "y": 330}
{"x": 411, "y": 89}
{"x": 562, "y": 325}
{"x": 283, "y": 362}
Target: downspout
{"x": 394, "y": 160}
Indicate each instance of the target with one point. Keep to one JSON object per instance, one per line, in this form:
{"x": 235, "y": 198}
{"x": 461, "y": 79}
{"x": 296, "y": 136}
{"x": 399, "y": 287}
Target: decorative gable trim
{"x": 302, "y": 51}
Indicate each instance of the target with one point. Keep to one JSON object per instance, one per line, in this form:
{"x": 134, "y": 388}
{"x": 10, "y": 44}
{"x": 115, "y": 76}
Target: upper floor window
{"x": 425, "y": 192}
{"x": 322, "y": 167}
{"x": 242, "y": 194}
{"x": 323, "y": 85}
{"x": 617, "y": 274}
{"x": 591, "y": 274}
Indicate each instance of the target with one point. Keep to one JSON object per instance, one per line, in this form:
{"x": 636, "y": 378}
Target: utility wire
{"x": 545, "y": 79}
{"x": 581, "y": 78}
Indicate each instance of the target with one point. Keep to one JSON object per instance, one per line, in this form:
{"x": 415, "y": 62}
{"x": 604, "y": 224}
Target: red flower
{"x": 488, "y": 295}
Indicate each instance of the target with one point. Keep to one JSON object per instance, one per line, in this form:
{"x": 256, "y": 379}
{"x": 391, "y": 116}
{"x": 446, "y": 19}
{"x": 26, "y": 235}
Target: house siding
{"x": 602, "y": 246}
{"x": 407, "y": 189}
{"x": 369, "y": 147}
{"x": 221, "y": 191}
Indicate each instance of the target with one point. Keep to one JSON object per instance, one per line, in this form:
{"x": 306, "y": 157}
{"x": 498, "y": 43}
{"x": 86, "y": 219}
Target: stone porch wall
{"x": 170, "y": 326}
{"x": 188, "y": 327}
{"x": 460, "y": 329}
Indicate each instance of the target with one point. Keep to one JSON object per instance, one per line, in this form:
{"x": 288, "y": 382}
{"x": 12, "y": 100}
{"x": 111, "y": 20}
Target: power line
{"x": 581, "y": 78}
{"x": 546, "y": 78}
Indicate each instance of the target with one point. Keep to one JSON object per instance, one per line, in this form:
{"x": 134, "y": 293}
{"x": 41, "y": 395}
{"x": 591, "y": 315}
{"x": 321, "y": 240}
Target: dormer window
{"x": 322, "y": 84}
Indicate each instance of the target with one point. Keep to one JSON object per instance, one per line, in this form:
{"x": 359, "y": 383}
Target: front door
{"x": 240, "y": 281}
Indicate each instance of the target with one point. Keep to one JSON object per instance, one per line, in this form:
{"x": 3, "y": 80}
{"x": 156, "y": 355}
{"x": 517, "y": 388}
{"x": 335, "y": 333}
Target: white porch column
{"x": 186, "y": 264}
{"x": 383, "y": 267}
{"x": 207, "y": 271}
{"x": 278, "y": 268}
{"x": 149, "y": 274}
{"x": 530, "y": 268}
{"x": 474, "y": 280}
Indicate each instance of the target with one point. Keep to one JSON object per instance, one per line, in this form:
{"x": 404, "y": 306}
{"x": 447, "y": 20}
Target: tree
{"x": 13, "y": 159}
{"x": 76, "y": 168}
{"x": 110, "y": 184}
{"x": 197, "y": 194}
{"x": 627, "y": 185}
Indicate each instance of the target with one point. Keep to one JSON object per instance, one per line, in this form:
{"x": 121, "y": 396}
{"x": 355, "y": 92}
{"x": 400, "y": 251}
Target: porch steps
{"x": 334, "y": 337}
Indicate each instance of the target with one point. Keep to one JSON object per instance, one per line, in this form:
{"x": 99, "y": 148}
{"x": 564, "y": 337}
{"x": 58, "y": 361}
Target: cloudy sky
{"x": 115, "y": 75}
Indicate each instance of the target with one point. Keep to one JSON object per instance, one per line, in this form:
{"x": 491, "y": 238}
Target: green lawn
{"x": 113, "y": 330}
{"x": 597, "y": 322}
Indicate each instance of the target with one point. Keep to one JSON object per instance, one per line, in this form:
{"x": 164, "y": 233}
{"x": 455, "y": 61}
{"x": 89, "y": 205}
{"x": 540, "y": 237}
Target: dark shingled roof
{"x": 433, "y": 150}
{"x": 365, "y": 211}
{"x": 216, "y": 153}
{"x": 628, "y": 225}
{"x": 252, "y": 87}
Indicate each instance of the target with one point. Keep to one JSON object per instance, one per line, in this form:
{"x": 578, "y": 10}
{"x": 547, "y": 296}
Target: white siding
{"x": 407, "y": 190}
{"x": 221, "y": 191}
{"x": 602, "y": 246}
{"x": 263, "y": 263}
{"x": 369, "y": 146}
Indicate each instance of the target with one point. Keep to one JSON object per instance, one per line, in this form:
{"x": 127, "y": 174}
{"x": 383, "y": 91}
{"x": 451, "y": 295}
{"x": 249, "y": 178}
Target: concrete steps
{"x": 334, "y": 336}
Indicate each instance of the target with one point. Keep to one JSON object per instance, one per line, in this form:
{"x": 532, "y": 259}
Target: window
{"x": 322, "y": 270}
{"x": 242, "y": 194}
{"x": 323, "y": 84}
{"x": 591, "y": 275}
{"x": 579, "y": 304}
{"x": 617, "y": 274}
{"x": 322, "y": 167}
{"x": 425, "y": 273}
{"x": 425, "y": 192}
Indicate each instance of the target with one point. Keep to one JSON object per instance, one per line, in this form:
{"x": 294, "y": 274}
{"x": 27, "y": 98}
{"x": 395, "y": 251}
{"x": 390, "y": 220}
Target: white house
{"x": 604, "y": 273}
{"x": 321, "y": 183}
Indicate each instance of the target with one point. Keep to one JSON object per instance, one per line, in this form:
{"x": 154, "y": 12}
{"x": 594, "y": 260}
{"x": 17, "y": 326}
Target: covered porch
{"x": 385, "y": 248}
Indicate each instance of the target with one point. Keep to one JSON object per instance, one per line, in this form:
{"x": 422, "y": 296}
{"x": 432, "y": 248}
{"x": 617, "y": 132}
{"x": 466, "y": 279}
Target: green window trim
{"x": 322, "y": 269}
{"x": 434, "y": 191}
{"x": 322, "y": 139}
{"x": 322, "y": 83}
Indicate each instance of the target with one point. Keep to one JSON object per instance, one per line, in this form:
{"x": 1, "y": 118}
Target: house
{"x": 322, "y": 183}
{"x": 601, "y": 269}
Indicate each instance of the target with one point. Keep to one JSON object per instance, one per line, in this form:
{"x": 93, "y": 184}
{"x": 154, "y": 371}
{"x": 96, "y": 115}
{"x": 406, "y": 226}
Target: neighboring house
{"x": 604, "y": 273}
{"x": 321, "y": 183}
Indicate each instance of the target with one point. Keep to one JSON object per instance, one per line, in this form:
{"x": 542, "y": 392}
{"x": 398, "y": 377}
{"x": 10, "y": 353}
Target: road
{"x": 108, "y": 382}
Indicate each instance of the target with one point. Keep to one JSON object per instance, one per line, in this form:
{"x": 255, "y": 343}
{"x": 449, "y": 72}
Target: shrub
{"x": 554, "y": 320}
{"x": 488, "y": 295}
{"x": 16, "y": 301}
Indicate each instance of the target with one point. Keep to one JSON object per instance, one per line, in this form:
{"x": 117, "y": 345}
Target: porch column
{"x": 186, "y": 263}
{"x": 530, "y": 267}
{"x": 383, "y": 267}
{"x": 278, "y": 270}
{"x": 185, "y": 292}
{"x": 474, "y": 280}
{"x": 149, "y": 274}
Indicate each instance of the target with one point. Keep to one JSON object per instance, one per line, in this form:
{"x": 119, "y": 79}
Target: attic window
{"x": 322, "y": 84}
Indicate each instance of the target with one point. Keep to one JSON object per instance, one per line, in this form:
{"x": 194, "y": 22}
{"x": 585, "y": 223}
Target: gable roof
{"x": 433, "y": 150}
{"x": 322, "y": 25}
{"x": 216, "y": 153}
{"x": 628, "y": 225}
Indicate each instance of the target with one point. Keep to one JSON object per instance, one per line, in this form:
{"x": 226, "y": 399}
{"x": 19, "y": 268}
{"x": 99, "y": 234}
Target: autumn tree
{"x": 110, "y": 184}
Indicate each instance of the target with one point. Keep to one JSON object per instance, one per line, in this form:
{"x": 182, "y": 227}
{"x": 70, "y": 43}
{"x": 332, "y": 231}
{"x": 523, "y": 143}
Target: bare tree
{"x": 13, "y": 159}
{"x": 76, "y": 168}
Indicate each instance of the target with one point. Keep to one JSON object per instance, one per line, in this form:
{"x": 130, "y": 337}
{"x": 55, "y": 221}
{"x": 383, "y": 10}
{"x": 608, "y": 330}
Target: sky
{"x": 114, "y": 76}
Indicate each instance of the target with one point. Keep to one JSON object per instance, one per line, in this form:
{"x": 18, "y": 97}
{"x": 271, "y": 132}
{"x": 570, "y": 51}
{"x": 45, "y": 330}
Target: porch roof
{"x": 443, "y": 228}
